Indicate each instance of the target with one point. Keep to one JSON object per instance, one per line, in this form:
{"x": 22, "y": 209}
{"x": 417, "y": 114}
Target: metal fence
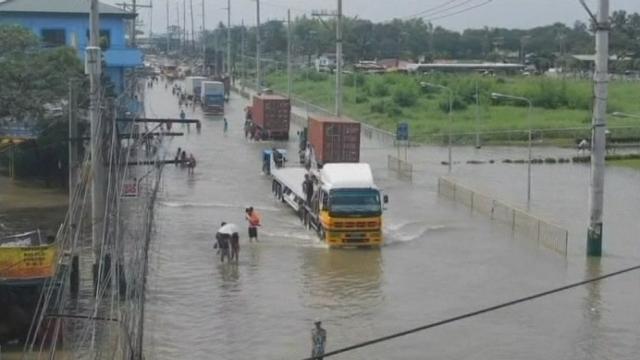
{"x": 403, "y": 168}
{"x": 522, "y": 223}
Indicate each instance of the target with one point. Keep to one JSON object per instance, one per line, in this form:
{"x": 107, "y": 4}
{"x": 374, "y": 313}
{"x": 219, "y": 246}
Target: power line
{"x": 433, "y": 8}
{"x": 474, "y": 313}
{"x": 460, "y": 11}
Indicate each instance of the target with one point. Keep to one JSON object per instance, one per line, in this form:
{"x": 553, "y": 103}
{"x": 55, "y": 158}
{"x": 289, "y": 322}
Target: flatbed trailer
{"x": 346, "y": 229}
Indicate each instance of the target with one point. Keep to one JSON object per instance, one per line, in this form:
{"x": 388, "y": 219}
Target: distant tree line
{"x": 415, "y": 39}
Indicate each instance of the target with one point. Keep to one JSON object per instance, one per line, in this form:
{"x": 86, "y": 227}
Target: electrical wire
{"x": 487, "y": 2}
{"x": 474, "y": 313}
{"x": 431, "y": 9}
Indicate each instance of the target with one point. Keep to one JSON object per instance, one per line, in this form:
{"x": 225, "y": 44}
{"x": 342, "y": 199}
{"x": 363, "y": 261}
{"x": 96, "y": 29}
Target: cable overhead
{"x": 459, "y": 11}
{"x": 433, "y": 8}
{"x": 474, "y": 313}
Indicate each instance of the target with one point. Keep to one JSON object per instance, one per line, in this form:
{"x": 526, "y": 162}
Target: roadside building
{"x": 66, "y": 23}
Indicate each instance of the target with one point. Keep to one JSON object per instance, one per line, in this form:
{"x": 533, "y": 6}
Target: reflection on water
{"x": 342, "y": 281}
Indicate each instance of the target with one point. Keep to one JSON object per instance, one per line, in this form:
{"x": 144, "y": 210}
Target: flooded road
{"x": 439, "y": 260}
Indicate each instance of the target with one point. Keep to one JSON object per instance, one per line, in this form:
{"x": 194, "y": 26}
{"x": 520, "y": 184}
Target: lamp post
{"x": 524, "y": 99}
{"x": 450, "y": 117}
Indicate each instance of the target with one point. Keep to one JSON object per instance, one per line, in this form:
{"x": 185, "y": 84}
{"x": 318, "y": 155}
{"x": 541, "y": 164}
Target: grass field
{"x": 386, "y": 100}
{"x": 630, "y": 163}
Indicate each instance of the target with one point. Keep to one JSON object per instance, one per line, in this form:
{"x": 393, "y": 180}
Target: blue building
{"x": 66, "y": 23}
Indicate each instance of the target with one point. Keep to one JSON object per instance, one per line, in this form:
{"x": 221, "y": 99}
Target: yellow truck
{"x": 344, "y": 205}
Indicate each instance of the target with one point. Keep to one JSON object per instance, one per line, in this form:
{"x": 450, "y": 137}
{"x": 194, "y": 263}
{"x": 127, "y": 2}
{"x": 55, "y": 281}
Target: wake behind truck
{"x": 212, "y": 97}
{"x": 343, "y": 205}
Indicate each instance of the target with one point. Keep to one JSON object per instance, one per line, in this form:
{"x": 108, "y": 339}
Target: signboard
{"x": 27, "y": 262}
{"x": 130, "y": 188}
{"x": 402, "y": 132}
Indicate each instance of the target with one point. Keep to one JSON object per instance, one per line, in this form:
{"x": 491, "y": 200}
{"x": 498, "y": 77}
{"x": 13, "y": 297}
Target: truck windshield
{"x": 363, "y": 202}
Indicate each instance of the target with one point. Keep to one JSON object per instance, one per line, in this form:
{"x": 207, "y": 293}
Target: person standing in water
{"x": 318, "y": 340}
{"x": 226, "y": 124}
{"x": 254, "y": 221}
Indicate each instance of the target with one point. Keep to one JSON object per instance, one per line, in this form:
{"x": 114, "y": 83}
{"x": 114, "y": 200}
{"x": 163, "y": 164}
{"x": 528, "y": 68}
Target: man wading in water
{"x": 254, "y": 221}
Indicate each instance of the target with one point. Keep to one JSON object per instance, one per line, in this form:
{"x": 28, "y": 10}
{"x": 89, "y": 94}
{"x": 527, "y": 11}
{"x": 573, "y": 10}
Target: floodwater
{"x": 439, "y": 261}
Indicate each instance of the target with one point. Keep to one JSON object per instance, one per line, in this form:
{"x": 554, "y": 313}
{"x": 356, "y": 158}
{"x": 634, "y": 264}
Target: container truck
{"x": 193, "y": 85}
{"x": 270, "y": 115}
{"x": 212, "y": 97}
{"x": 333, "y": 139}
{"x": 344, "y": 206}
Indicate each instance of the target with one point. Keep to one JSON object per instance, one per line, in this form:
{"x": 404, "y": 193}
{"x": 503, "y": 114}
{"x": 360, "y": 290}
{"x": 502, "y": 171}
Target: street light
{"x": 450, "y": 115}
{"x": 524, "y": 99}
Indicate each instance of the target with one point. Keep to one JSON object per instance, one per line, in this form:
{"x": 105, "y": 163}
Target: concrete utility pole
{"x": 228, "y": 37}
{"x": 339, "y": 60}
{"x": 193, "y": 31}
{"x": 204, "y": 45}
{"x": 150, "y": 19}
{"x": 178, "y": 22}
{"x": 258, "y": 80}
{"x": 74, "y": 275}
{"x": 598, "y": 138}
{"x": 168, "y": 25}
{"x": 133, "y": 23}
{"x": 289, "y": 53}
{"x": 242, "y": 50}
{"x": 184, "y": 25}
{"x": 98, "y": 171}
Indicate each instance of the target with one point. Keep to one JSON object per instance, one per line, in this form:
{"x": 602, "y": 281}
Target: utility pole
{"x": 598, "y": 135}
{"x": 289, "y": 53}
{"x": 205, "y": 68}
{"x": 339, "y": 60}
{"x": 133, "y": 23}
{"x": 178, "y": 22}
{"x": 98, "y": 171}
{"x": 338, "y": 15}
{"x": 74, "y": 275}
{"x": 184, "y": 25}
{"x": 168, "y": 25}
{"x": 258, "y": 81}
{"x": 244, "y": 63}
{"x": 229, "y": 38}
{"x": 193, "y": 35}
{"x": 151, "y": 19}
{"x": 477, "y": 116}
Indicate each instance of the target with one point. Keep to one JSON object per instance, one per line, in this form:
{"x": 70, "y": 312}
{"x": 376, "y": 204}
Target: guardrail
{"x": 521, "y": 222}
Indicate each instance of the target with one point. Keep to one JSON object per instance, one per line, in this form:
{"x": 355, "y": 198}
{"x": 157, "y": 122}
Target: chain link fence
{"x": 522, "y": 223}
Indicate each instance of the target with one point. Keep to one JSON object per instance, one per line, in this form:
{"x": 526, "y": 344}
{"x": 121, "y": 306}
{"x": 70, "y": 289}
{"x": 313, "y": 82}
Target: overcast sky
{"x": 471, "y": 13}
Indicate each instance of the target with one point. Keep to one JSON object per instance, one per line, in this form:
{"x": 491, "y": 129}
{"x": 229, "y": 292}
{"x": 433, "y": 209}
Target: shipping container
{"x": 334, "y": 139}
{"x": 272, "y": 115}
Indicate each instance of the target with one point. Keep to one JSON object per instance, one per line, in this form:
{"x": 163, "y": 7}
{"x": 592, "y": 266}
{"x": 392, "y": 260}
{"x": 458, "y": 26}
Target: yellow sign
{"x": 27, "y": 262}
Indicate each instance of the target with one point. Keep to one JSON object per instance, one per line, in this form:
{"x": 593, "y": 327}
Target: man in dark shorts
{"x": 254, "y": 221}
{"x": 222, "y": 244}
{"x": 235, "y": 246}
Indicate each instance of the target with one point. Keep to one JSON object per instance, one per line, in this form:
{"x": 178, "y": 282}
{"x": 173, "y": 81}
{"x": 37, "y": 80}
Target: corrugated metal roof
{"x": 58, "y": 6}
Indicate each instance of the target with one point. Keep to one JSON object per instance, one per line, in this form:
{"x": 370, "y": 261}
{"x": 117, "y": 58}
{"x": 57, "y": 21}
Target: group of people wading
{"x": 228, "y": 239}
